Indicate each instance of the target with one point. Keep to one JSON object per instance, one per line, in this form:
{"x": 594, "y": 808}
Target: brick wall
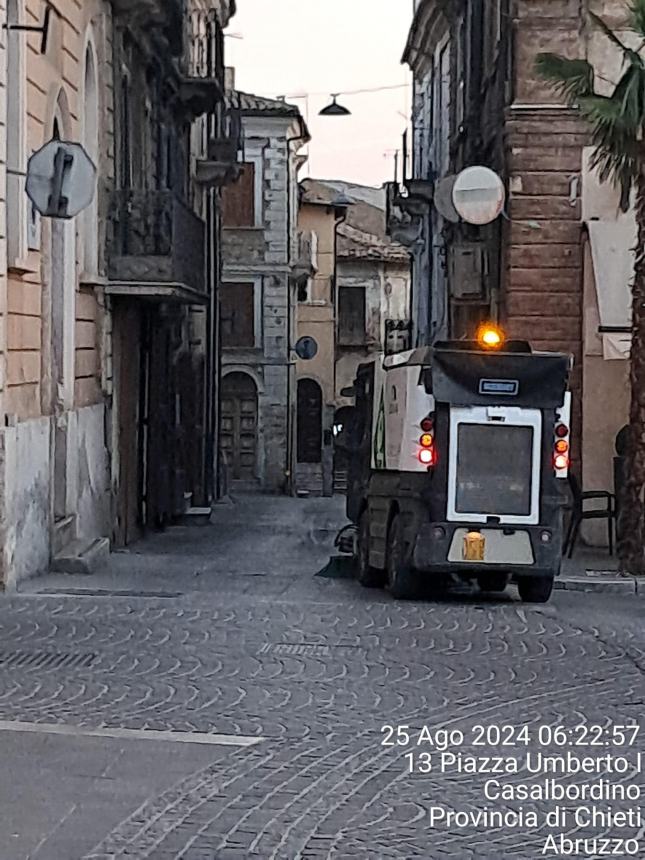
{"x": 542, "y": 248}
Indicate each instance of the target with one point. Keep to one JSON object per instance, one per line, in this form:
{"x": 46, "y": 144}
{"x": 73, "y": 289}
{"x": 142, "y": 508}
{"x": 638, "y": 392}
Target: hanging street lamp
{"x": 334, "y": 109}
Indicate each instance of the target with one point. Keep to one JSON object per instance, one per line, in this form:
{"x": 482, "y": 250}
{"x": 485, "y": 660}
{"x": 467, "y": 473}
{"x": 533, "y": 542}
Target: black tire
{"x": 368, "y": 576}
{"x": 535, "y": 589}
{"x": 401, "y": 579}
{"x": 492, "y": 582}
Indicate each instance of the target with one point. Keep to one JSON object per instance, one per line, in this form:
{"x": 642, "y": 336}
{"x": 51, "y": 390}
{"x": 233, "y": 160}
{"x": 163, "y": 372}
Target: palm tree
{"x": 617, "y": 123}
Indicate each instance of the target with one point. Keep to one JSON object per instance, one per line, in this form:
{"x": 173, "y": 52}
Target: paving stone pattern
{"x": 317, "y": 681}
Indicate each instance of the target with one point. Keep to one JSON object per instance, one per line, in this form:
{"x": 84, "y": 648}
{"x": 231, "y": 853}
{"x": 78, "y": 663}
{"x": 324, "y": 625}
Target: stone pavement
{"x": 223, "y": 635}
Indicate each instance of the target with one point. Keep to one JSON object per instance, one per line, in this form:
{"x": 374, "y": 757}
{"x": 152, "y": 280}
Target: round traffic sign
{"x": 61, "y": 179}
{"x": 479, "y": 195}
{"x": 306, "y": 348}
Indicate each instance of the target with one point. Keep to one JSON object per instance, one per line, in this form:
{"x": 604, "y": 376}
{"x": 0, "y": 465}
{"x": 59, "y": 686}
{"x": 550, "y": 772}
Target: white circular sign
{"x": 61, "y": 179}
{"x": 479, "y": 195}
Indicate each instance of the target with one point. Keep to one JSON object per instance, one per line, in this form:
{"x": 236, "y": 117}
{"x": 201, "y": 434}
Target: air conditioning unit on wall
{"x": 467, "y": 270}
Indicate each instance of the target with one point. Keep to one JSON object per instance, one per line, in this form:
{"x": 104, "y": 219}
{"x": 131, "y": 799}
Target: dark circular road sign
{"x": 306, "y": 348}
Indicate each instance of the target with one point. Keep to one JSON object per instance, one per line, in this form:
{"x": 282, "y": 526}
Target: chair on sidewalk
{"x": 579, "y": 513}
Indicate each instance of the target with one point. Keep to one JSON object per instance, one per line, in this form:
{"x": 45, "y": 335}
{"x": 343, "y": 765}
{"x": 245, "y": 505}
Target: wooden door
{"x": 240, "y": 426}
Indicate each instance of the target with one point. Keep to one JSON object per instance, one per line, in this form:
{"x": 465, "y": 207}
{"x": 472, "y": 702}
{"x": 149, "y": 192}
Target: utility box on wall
{"x": 467, "y": 269}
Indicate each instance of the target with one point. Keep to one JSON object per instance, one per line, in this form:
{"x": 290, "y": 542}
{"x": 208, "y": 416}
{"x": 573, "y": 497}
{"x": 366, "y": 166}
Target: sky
{"x": 318, "y": 47}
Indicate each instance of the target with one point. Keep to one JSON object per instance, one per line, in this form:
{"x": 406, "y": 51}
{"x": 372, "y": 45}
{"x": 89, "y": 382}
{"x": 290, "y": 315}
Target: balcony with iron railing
{"x": 164, "y": 15}
{"x": 398, "y": 335}
{"x": 408, "y": 200}
{"x": 305, "y": 261}
{"x": 201, "y": 66}
{"x": 222, "y": 141}
{"x": 156, "y": 247}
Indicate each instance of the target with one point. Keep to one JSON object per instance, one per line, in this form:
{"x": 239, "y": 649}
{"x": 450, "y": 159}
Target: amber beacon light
{"x": 490, "y": 336}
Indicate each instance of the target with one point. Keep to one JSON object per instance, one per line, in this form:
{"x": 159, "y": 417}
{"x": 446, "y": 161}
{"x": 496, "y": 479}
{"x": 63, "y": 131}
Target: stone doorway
{"x": 239, "y": 433}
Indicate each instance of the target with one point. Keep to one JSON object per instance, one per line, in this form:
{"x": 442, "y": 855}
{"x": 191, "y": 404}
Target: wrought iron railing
{"x": 398, "y": 336}
{"x": 169, "y": 15}
{"x": 305, "y": 262}
{"x": 204, "y": 46}
{"x": 156, "y": 238}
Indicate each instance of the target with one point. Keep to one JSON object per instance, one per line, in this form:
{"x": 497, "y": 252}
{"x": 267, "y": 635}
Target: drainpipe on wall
{"x": 328, "y": 439}
{"x": 291, "y": 422}
{"x": 340, "y": 220}
{"x": 211, "y": 483}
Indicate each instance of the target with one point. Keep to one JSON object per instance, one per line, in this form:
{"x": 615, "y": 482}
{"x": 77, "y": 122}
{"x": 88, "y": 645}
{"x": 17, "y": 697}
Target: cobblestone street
{"x": 208, "y": 696}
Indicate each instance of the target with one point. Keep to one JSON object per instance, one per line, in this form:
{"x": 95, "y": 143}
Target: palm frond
{"x": 572, "y": 79}
{"x": 617, "y": 121}
{"x": 629, "y": 95}
{"x": 637, "y": 17}
{"x": 616, "y": 146}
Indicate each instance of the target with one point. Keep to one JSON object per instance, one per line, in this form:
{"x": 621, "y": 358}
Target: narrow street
{"x": 209, "y": 696}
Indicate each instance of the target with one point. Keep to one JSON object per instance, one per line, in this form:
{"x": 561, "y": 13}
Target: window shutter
{"x": 237, "y": 307}
{"x": 238, "y": 200}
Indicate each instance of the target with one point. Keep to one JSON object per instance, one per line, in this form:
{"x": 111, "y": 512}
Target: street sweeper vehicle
{"x": 458, "y": 459}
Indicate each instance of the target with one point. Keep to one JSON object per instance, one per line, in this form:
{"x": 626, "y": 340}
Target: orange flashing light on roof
{"x": 490, "y": 336}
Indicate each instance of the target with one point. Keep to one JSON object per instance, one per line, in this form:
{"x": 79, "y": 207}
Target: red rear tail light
{"x": 426, "y": 456}
{"x": 427, "y": 424}
{"x": 561, "y": 431}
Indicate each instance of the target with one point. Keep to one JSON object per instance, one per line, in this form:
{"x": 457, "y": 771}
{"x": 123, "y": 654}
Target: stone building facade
{"x": 321, "y": 213}
{"x": 173, "y": 154}
{"x": 373, "y": 286}
{"x": 264, "y": 259}
{"x": 54, "y": 476}
{"x": 356, "y": 304}
{"x": 77, "y": 297}
{"x": 479, "y": 100}
{"x": 373, "y": 293}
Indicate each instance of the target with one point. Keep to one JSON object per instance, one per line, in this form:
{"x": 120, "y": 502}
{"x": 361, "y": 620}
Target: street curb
{"x": 613, "y": 585}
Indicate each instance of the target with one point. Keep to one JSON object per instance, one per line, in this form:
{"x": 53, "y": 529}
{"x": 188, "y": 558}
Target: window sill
{"x": 253, "y": 348}
{"x": 22, "y": 266}
{"x": 256, "y": 229}
{"x": 88, "y": 281}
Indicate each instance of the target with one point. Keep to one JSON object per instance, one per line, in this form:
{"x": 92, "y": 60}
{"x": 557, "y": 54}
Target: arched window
{"x": 91, "y": 143}
{"x": 16, "y": 145}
